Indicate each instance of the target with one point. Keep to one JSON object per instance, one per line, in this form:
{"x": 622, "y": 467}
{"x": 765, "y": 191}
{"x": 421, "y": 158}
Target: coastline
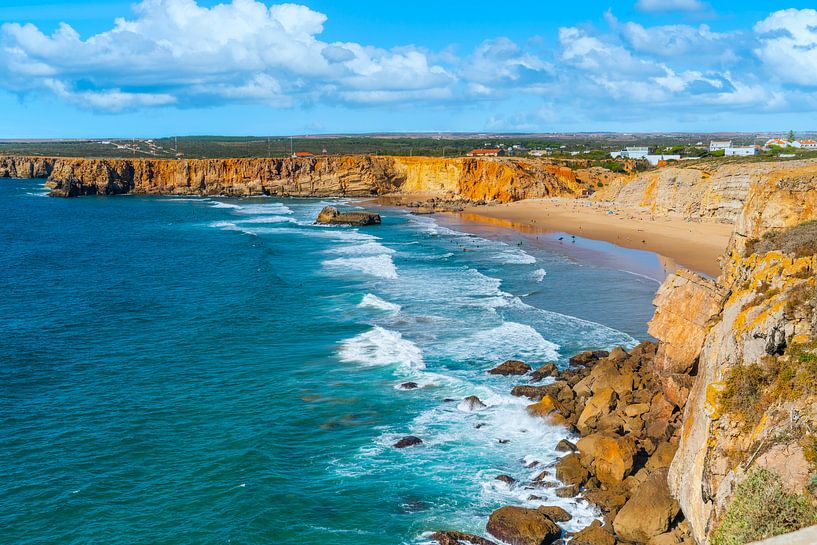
{"x": 695, "y": 245}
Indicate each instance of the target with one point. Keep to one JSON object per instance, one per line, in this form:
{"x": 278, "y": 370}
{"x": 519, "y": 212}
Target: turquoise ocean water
{"x": 214, "y": 370}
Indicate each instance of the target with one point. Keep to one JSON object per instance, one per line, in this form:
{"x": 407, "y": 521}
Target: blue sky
{"x": 177, "y": 67}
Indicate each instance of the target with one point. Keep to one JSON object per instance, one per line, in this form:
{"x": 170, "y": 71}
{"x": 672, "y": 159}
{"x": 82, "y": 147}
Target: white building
{"x": 631, "y": 153}
{"x": 741, "y": 150}
{"x": 807, "y": 144}
{"x": 715, "y": 145}
{"x": 654, "y": 159}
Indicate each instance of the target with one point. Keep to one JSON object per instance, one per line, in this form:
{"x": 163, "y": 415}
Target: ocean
{"x": 219, "y": 370}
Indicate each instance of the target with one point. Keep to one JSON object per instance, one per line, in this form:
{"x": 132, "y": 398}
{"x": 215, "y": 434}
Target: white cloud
{"x": 669, "y": 5}
{"x": 788, "y": 45}
{"x": 178, "y": 51}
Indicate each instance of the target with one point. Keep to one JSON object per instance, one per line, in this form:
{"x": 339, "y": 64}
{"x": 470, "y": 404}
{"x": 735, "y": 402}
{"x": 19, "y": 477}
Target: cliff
{"x": 493, "y": 179}
{"x": 738, "y": 355}
{"x": 706, "y": 190}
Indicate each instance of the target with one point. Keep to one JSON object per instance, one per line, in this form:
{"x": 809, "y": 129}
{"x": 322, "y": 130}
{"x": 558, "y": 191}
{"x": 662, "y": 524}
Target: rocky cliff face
{"x": 26, "y": 167}
{"x": 739, "y": 356}
{"x": 457, "y": 178}
{"x": 705, "y": 191}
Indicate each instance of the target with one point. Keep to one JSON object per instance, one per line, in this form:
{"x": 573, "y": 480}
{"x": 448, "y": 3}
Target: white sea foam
{"x": 377, "y": 265}
{"x": 220, "y": 204}
{"x": 367, "y": 248}
{"x": 274, "y": 208}
{"x": 373, "y": 301}
{"x": 268, "y": 219}
{"x": 515, "y": 257}
{"x": 539, "y": 275}
{"x": 509, "y": 340}
{"x": 380, "y": 346}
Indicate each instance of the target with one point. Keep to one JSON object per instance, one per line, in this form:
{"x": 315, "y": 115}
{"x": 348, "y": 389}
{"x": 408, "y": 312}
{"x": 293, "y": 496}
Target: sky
{"x": 92, "y": 69}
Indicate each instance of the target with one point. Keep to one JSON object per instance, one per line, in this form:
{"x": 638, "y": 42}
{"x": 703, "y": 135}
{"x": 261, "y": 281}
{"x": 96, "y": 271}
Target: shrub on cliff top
{"x": 799, "y": 241}
{"x": 761, "y": 508}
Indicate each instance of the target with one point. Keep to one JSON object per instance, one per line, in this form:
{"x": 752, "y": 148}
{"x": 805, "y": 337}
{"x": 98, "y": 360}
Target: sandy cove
{"x": 696, "y": 245}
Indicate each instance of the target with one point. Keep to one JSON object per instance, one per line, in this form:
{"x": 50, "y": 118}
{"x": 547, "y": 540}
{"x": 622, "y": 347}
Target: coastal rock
{"x": 409, "y": 386}
{"x": 555, "y": 513}
{"x": 600, "y": 404}
{"x": 507, "y": 479}
{"x": 594, "y": 534}
{"x": 472, "y": 403}
{"x": 588, "y": 357}
{"x": 520, "y": 526}
{"x": 566, "y": 446}
{"x": 569, "y": 470}
{"x": 332, "y": 216}
{"x": 459, "y": 538}
{"x": 546, "y": 370}
{"x": 545, "y": 407}
{"x": 510, "y": 367}
{"x": 609, "y": 456}
{"x": 649, "y": 511}
{"x": 408, "y": 441}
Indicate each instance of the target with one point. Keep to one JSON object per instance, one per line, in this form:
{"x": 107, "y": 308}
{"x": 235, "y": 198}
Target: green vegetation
{"x": 799, "y": 241}
{"x": 750, "y": 389}
{"x": 761, "y": 508}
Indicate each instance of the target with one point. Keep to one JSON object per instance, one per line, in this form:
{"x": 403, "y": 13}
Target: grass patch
{"x": 799, "y": 241}
{"x": 761, "y": 508}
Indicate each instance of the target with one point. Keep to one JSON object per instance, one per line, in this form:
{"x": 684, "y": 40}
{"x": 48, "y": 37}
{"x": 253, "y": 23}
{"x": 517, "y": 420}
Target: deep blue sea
{"x": 216, "y": 370}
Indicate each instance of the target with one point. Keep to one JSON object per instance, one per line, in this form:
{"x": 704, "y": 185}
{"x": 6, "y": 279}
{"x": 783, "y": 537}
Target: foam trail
{"x": 539, "y": 275}
{"x": 380, "y": 346}
{"x": 373, "y": 301}
{"x": 378, "y": 265}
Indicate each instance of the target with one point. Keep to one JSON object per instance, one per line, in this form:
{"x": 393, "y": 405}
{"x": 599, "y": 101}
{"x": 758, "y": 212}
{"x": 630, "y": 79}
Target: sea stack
{"x": 332, "y": 216}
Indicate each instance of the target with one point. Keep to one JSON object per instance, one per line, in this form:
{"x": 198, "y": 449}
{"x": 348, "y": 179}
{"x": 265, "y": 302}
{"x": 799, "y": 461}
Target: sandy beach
{"x": 695, "y": 245}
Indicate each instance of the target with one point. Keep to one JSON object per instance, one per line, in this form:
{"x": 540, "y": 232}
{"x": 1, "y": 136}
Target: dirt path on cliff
{"x": 696, "y": 245}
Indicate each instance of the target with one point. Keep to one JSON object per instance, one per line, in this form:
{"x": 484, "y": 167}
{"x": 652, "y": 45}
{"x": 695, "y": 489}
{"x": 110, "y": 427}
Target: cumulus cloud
{"x": 175, "y": 51}
{"x": 788, "y": 45}
{"x": 179, "y": 53}
{"x": 669, "y": 5}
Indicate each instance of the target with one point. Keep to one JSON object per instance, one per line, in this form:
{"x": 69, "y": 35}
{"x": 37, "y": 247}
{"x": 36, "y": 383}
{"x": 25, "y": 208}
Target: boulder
{"x": 472, "y": 403}
{"x": 662, "y": 457}
{"x": 409, "y": 386}
{"x": 566, "y": 446}
{"x": 534, "y": 393}
{"x": 588, "y": 357}
{"x": 649, "y": 512}
{"x": 555, "y": 513}
{"x": 606, "y": 375}
{"x": 610, "y": 456}
{"x": 600, "y": 404}
{"x": 570, "y": 470}
{"x": 408, "y": 441}
{"x": 520, "y": 526}
{"x": 545, "y": 406}
{"x": 547, "y": 370}
{"x": 594, "y": 534}
{"x": 459, "y": 538}
{"x": 511, "y": 367}
{"x": 332, "y": 216}
{"x": 507, "y": 479}
{"x": 568, "y": 491}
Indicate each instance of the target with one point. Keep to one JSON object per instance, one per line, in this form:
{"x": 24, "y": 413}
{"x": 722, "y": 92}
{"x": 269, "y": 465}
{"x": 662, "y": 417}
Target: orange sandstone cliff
{"x": 493, "y": 179}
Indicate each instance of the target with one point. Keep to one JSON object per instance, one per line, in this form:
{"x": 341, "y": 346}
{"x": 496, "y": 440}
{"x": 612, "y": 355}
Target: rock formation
{"x": 332, "y": 216}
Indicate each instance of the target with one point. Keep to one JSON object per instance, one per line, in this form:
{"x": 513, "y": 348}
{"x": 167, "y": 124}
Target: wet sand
{"x": 695, "y": 245}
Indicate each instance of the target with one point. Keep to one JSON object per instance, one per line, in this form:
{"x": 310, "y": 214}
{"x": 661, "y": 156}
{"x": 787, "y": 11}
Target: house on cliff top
{"x": 302, "y": 155}
{"x": 494, "y": 152}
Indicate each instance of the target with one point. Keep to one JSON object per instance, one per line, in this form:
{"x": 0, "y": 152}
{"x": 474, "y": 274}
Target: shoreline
{"x": 694, "y": 245}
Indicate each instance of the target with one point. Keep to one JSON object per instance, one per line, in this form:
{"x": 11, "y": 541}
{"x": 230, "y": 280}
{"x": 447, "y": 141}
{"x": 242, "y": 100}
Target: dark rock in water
{"x": 480, "y": 425}
{"x": 520, "y": 526}
{"x": 449, "y": 400}
{"x": 547, "y": 370}
{"x": 568, "y": 491}
{"x": 409, "y": 386}
{"x": 473, "y": 403}
{"x": 534, "y": 497}
{"x": 408, "y": 441}
{"x": 587, "y": 357}
{"x": 507, "y": 479}
{"x": 332, "y": 216}
{"x": 566, "y": 446}
{"x": 555, "y": 513}
{"x": 503, "y": 441}
{"x": 459, "y": 538}
{"x": 511, "y": 367}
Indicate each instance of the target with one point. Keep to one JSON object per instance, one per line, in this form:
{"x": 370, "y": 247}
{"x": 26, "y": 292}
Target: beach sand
{"x": 695, "y": 245}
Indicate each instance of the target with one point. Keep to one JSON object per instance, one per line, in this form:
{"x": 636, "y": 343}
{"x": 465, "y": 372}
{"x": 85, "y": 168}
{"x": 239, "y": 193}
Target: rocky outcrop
{"x": 520, "y": 526}
{"x": 26, "y": 167}
{"x": 466, "y": 179}
{"x": 332, "y": 216}
{"x": 737, "y": 354}
{"x": 708, "y": 190}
